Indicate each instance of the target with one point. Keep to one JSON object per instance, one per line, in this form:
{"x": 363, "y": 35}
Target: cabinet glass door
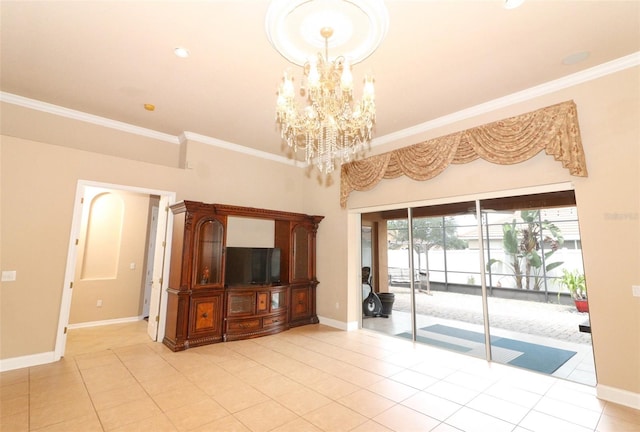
{"x": 209, "y": 249}
{"x": 300, "y": 253}
{"x": 278, "y": 300}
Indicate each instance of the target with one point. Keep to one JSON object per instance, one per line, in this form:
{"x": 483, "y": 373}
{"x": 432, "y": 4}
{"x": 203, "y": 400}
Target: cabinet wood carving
{"x": 202, "y": 310}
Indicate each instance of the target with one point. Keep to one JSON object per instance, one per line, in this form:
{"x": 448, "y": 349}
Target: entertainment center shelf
{"x": 203, "y": 309}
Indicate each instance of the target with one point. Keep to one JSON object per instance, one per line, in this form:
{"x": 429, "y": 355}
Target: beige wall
{"x": 39, "y": 180}
{"x": 119, "y": 288}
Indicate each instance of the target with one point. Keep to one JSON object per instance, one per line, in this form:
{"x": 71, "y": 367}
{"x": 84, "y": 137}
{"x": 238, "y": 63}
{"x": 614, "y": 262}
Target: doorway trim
{"x": 163, "y": 252}
{"x": 150, "y": 260}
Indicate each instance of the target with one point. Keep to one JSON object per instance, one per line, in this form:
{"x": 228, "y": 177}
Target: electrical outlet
{"x": 8, "y": 275}
{"x": 635, "y": 290}
{"x": 99, "y": 303}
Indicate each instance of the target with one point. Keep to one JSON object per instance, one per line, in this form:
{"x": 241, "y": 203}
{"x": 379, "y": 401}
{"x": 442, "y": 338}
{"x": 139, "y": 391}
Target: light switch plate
{"x": 635, "y": 290}
{"x": 8, "y": 275}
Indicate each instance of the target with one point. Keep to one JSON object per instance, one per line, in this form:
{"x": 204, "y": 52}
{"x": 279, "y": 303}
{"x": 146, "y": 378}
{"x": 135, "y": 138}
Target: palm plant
{"x": 522, "y": 243}
{"x": 575, "y": 283}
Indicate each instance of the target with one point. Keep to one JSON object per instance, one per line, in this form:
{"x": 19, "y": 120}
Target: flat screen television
{"x": 252, "y": 266}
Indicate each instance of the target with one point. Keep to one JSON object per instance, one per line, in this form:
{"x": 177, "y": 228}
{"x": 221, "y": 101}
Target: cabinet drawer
{"x": 274, "y": 320}
{"x": 244, "y": 325}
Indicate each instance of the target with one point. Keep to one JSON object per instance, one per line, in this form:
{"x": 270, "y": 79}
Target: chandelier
{"x": 333, "y": 128}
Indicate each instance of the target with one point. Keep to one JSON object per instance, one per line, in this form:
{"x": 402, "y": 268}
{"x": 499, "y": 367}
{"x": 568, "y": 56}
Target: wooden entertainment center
{"x": 202, "y": 310}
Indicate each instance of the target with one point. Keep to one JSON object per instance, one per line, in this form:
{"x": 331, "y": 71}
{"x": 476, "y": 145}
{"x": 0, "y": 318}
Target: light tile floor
{"x": 580, "y": 368}
{"x": 312, "y": 378}
{"x": 546, "y": 324}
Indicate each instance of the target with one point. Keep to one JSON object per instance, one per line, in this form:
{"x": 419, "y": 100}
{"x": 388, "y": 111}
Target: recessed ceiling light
{"x": 181, "y": 52}
{"x": 574, "y": 58}
{"x": 512, "y": 4}
{"x": 149, "y": 107}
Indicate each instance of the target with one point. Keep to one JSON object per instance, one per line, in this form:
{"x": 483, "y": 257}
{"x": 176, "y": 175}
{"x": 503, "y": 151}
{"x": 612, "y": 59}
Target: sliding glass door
{"x": 485, "y": 278}
{"x": 431, "y": 275}
{"x": 448, "y": 300}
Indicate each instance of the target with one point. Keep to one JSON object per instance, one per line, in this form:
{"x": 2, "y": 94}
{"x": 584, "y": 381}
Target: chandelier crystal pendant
{"x": 333, "y": 128}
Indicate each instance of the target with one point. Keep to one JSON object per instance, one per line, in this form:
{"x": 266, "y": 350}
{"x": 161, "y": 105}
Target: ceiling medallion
{"x": 333, "y": 128}
{"x": 293, "y": 27}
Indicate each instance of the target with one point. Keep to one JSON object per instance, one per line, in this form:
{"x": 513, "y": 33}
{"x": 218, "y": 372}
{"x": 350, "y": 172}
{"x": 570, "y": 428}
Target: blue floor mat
{"x": 539, "y": 358}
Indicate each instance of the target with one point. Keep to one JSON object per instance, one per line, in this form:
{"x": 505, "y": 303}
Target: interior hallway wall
{"x": 113, "y": 290}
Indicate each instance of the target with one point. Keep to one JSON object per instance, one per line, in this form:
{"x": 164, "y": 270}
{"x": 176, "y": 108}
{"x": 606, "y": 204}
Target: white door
{"x": 157, "y": 281}
{"x": 148, "y": 277}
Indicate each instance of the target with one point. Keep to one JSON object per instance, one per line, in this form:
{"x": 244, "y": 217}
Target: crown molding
{"x": 85, "y": 117}
{"x": 204, "y": 139}
{"x": 604, "y": 69}
{"x": 629, "y": 61}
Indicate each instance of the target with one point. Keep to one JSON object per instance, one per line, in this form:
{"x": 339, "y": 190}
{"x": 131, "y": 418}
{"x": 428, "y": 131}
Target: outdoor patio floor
{"x": 547, "y": 324}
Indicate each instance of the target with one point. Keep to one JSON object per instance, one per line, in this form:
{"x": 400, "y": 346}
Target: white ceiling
{"x": 108, "y": 58}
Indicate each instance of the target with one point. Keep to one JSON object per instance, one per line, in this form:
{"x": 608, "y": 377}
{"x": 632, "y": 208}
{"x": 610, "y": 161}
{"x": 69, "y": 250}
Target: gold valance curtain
{"x": 553, "y": 129}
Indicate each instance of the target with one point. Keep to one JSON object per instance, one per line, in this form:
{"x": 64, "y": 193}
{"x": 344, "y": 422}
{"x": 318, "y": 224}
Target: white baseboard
{"x": 27, "y": 361}
{"x": 353, "y": 325}
{"x": 104, "y": 322}
{"x": 333, "y": 323}
{"x": 621, "y": 397}
{"x": 49, "y": 357}
{"x": 347, "y": 326}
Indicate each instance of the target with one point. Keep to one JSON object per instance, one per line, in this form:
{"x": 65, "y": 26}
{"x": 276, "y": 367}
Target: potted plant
{"x": 575, "y": 283}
